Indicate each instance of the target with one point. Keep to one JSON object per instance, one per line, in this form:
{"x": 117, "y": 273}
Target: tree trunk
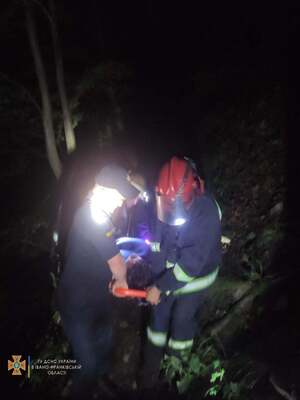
{"x": 51, "y": 148}
{"x": 69, "y": 132}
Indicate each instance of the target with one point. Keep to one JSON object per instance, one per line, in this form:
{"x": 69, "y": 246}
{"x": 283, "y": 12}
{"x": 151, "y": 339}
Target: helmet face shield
{"x": 176, "y": 189}
{"x": 169, "y": 211}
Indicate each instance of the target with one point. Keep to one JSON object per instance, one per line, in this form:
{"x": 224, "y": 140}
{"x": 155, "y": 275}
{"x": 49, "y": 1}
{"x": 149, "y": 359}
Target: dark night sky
{"x": 156, "y": 35}
{"x": 165, "y": 42}
{"x": 175, "y": 35}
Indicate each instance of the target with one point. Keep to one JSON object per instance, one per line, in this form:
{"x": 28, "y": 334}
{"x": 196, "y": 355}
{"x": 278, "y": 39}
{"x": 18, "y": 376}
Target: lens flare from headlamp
{"x": 103, "y": 203}
{"x": 171, "y": 212}
{"x": 144, "y": 196}
{"x": 179, "y": 221}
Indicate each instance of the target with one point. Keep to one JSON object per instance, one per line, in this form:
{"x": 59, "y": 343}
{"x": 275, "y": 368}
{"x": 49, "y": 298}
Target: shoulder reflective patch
{"x": 180, "y": 344}
{"x": 159, "y": 339}
{"x": 225, "y": 240}
{"x": 155, "y": 247}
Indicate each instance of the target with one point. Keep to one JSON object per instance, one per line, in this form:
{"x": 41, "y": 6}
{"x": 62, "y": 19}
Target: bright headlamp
{"x": 103, "y": 203}
{"x": 144, "y": 196}
{"x": 55, "y": 237}
{"x": 179, "y": 221}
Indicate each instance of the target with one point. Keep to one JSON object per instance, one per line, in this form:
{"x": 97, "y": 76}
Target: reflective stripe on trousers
{"x": 180, "y": 344}
{"x": 158, "y": 339}
{"x": 175, "y": 316}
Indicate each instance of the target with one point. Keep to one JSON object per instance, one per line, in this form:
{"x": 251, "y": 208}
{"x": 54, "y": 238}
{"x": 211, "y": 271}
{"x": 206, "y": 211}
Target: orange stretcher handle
{"x": 122, "y": 292}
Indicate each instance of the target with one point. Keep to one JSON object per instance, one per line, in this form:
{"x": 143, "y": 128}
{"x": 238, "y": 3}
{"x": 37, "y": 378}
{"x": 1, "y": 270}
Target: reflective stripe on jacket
{"x": 187, "y": 259}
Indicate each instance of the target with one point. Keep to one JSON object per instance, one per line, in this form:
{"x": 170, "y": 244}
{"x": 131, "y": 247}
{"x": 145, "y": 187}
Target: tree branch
{"x": 281, "y": 391}
{"x": 68, "y": 128}
{"x": 44, "y": 10}
{"x": 52, "y": 152}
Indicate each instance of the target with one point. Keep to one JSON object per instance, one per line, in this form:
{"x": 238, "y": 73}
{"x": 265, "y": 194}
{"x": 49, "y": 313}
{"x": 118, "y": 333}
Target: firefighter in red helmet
{"x": 185, "y": 257}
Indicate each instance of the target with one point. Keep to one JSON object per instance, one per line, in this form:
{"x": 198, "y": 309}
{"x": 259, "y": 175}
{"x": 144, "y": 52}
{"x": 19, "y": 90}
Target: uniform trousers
{"x": 90, "y": 336}
{"x": 173, "y": 325}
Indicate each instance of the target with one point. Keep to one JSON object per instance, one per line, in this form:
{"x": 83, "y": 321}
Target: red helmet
{"x": 175, "y": 190}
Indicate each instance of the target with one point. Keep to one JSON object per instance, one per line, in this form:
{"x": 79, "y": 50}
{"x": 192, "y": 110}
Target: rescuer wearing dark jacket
{"x": 93, "y": 267}
{"x": 186, "y": 255}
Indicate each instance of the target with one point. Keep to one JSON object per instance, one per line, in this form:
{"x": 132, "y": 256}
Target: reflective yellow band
{"x": 155, "y": 247}
{"x": 159, "y": 339}
{"x": 198, "y": 283}
{"x": 180, "y": 344}
{"x": 169, "y": 264}
{"x": 180, "y": 275}
{"x": 225, "y": 240}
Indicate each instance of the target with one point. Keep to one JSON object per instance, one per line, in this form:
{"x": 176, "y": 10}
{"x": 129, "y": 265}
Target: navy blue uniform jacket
{"x": 195, "y": 247}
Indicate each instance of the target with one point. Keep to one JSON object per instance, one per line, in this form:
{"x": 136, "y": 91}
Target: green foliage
{"x": 193, "y": 365}
{"x": 216, "y": 379}
{"x": 204, "y": 371}
{"x": 189, "y": 367}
